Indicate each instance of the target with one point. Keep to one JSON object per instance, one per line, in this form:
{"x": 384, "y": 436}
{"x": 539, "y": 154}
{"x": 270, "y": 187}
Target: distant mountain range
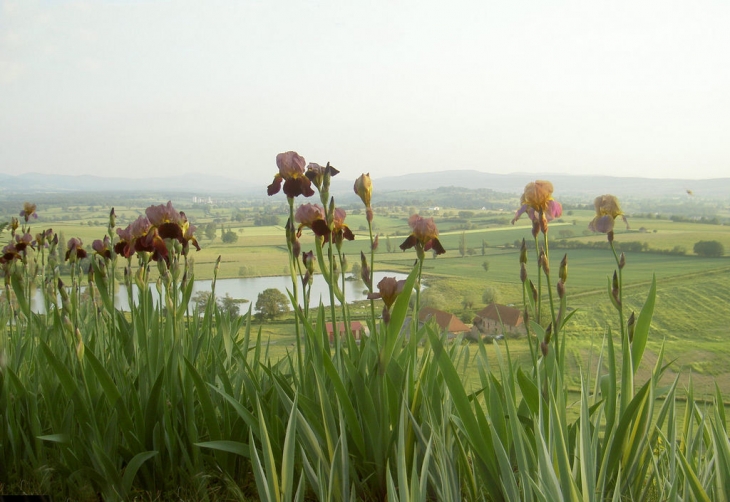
{"x": 205, "y": 184}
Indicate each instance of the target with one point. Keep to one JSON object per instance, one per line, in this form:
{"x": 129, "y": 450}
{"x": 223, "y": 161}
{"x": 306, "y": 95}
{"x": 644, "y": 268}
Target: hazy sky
{"x": 138, "y": 88}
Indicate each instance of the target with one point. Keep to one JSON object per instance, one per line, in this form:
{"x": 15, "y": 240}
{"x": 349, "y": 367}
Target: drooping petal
{"x": 603, "y": 224}
{"x": 436, "y": 246}
{"x": 170, "y": 231}
{"x": 520, "y": 212}
{"x": 554, "y": 210}
{"x": 409, "y": 242}
{"x": 275, "y": 185}
{"x": 347, "y": 233}
{"x": 293, "y": 187}
{"x": 320, "y": 228}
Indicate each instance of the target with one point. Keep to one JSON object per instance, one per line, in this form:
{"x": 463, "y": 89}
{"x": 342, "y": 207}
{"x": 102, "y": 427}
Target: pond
{"x": 249, "y": 289}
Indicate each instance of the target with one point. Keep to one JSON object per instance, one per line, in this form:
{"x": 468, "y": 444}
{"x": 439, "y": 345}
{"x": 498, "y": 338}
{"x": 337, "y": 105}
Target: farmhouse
{"x": 446, "y": 321}
{"x": 496, "y": 319}
{"x": 356, "y": 327}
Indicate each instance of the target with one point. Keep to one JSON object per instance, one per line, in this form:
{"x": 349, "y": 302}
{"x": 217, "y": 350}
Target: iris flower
{"x": 42, "y": 239}
{"x": 291, "y": 173}
{"x": 538, "y": 199}
{"x": 607, "y": 209}
{"x": 313, "y": 216}
{"x": 364, "y": 189}
{"x": 10, "y": 253}
{"x": 130, "y": 235}
{"x": 307, "y": 215}
{"x": 388, "y": 290}
{"x": 171, "y": 224}
{"x": 424, "y": 236}
{"x": 103, "y": 247}
{"x": 340, "y": 231}
{"x": 318, "y": 174}
{"x": 17, "y": 249}
{"x": 28, "y": 211}
{"x": 75, "y": 249}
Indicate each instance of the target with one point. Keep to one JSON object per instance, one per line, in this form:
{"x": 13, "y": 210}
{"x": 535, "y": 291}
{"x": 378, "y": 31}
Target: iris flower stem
{"x": 556, "y": 329}
{"x": 13, "y": 319}
{"x": 372, "y": 272}
{"x": 620, "y": 292}
{"x": 533, "y": 352}
{"x": 175, "y": 331}
{"x": 46, "y": 300}
{"x": 28, "y": 280}
{"x": 111, "y": 270}
{"x": 417, "y": 307}
{"x": 295, "y": 287}
{"x": 345, "y": 310}
{"x": 333, "y": 309}
{"x": 305, "y": 290}
{"x": 538, "y": 307}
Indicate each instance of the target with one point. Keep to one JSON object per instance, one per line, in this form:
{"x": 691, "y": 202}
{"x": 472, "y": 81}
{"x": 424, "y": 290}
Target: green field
{"x": 690, "y": 317}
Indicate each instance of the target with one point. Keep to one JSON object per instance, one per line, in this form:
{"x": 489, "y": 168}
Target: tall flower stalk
{"x": 538, "y": 203}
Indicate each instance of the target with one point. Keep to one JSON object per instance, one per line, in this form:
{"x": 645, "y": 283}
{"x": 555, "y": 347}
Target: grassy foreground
{"x": 159, "y": 404}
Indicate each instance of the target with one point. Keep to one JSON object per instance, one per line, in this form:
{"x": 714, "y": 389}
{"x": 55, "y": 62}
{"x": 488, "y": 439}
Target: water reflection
{"x": 249, "y": 289}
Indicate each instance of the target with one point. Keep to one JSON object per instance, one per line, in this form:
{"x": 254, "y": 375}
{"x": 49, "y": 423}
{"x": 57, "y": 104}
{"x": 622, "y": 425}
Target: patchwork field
{"x": 691, "y": 318}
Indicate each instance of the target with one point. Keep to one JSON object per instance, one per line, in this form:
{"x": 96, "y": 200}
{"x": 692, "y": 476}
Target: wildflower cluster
{"x": 151, "y": 233}
{"x": 327, "y": 222}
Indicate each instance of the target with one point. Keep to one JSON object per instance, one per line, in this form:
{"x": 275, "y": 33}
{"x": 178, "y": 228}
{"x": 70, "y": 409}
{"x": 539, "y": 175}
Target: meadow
{"x": 158, "y": 404}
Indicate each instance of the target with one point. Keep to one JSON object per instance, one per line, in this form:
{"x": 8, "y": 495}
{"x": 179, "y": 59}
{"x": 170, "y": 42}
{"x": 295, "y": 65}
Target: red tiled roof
{"x": 446, "y": 321}
{"x": 510, "y": 316}
{"x": 354, "y": 326}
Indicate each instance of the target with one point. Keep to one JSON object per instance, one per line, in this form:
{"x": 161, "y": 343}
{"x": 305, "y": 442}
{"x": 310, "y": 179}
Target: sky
{"x": 140, "y": 88}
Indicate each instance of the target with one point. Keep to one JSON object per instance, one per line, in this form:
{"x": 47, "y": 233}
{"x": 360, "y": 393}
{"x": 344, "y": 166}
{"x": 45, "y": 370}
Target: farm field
{"x": 690, "y": 288}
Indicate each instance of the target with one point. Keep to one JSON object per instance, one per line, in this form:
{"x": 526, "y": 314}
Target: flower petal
{"x": 603, "y": 224}
{"x": 434, "y": 244}
{"x": 275, "y": 185}
{"x": 409, "y": 242}
{"x": 301, "y": 185}
{"x": 519, "y": 213}
{"x": 347, "y": 233}
{"x": 319, "y": 227}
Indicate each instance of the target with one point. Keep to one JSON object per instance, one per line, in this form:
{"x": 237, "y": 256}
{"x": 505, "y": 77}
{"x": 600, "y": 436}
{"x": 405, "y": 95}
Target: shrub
{"x": 230, "y": 237}
{"x": 711, "y": 249}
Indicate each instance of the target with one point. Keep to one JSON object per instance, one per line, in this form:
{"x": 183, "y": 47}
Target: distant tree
{"x": 711, "y": 249}
{"x": 484, "y": 247}
{"x": 200, "y": 300}
{"x": 266, "y": 220}
{"x": 230, "y": 237}
{"x": 432, "y": 298}
{"x": 490, "y": 295}
{"x": 485, "y": 265}
{"x": 230, "y": 305}
{"x": 355, "y": 271}
{"x": 210, "y": 231}
{"x": 462, "y": 244}
{"x": 469, "y": 300}
{"x": 272, "y": 303}
{"x": 388, "y": 244}
{"x": 565, "y": 233}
